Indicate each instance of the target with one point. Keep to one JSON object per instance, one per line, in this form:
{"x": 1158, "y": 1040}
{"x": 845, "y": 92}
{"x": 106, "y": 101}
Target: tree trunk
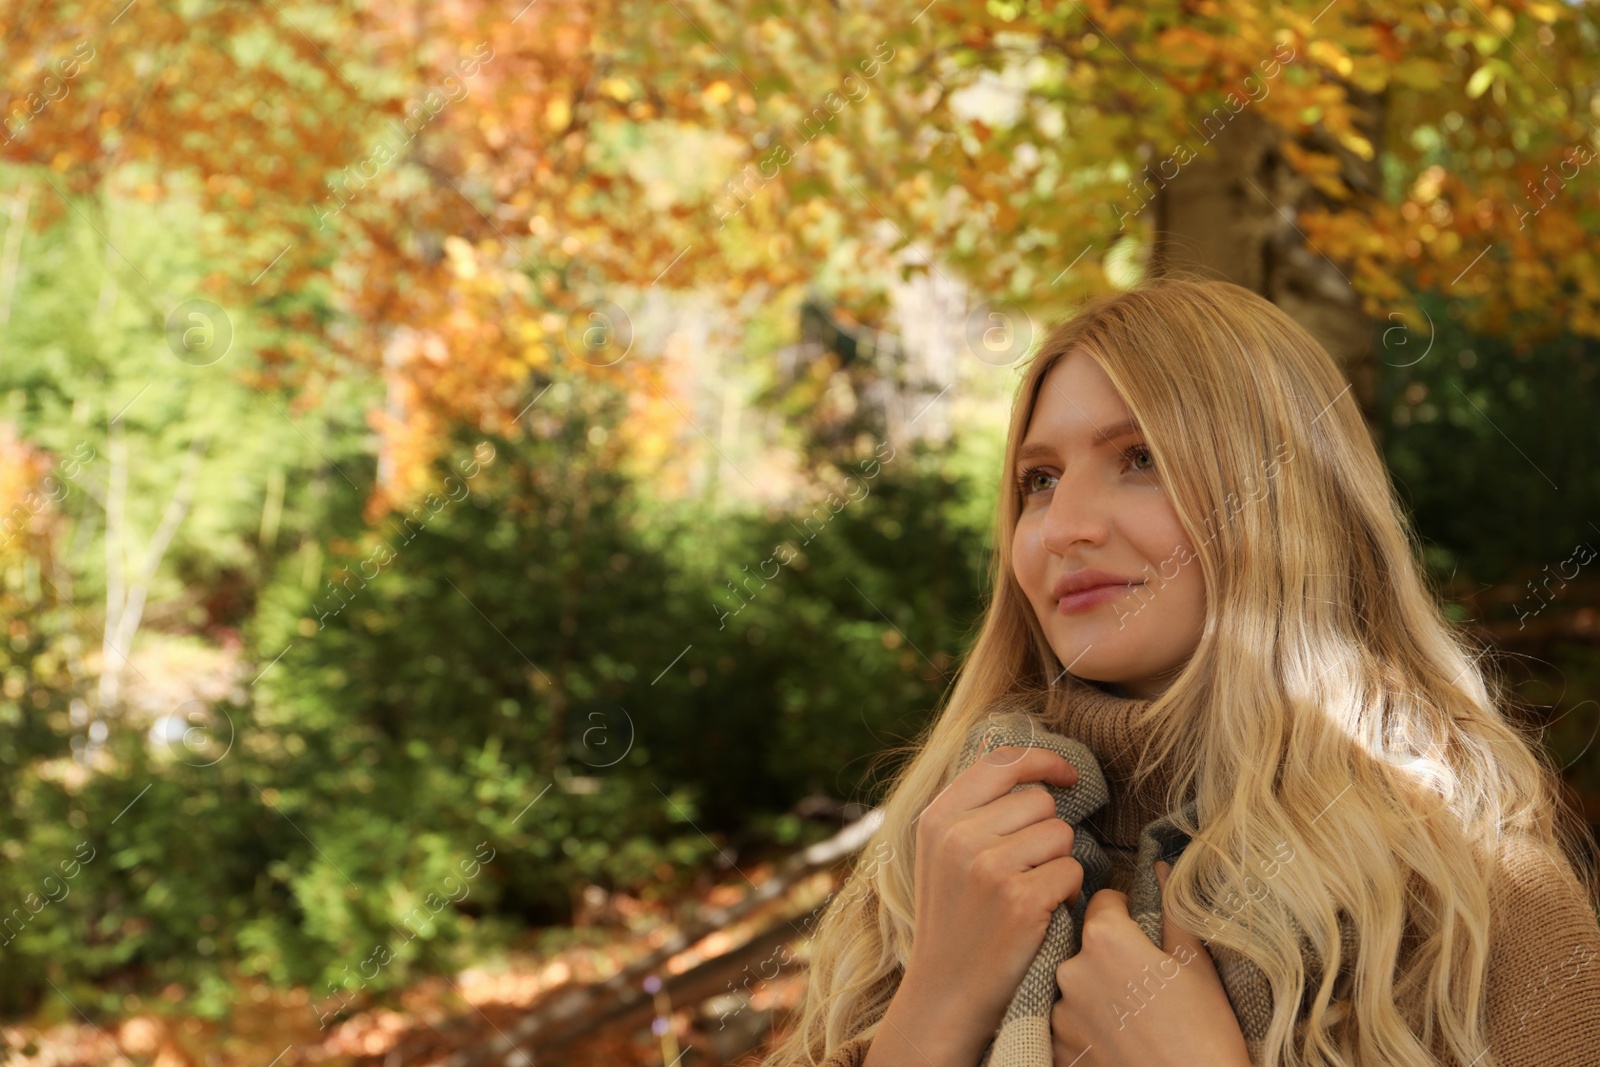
{"x": 1230, "y": 214}
{"x": 126, "y": 591}
{"x": 10, "y": 257}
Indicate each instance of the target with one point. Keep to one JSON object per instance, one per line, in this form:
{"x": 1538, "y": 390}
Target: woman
{"x": 1203, "y": 574}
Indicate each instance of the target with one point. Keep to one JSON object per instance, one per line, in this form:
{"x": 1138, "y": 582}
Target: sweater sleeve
{"x": 1544, "y": 963}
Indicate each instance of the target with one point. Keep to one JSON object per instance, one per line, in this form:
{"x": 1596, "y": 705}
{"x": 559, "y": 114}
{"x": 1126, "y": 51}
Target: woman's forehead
{"x": 1077, "y": 406}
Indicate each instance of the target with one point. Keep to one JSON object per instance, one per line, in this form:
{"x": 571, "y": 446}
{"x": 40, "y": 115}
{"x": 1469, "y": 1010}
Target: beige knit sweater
{"x": 1544, "y": 952}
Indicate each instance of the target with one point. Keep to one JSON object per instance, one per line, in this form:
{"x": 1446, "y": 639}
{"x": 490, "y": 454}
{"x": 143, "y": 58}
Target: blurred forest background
{"x": 428, "y": 629}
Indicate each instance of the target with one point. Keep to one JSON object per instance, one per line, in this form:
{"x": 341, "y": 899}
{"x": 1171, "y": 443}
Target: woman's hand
{"x": 991, "y": 866}
{"x": 1125, "y": 1001}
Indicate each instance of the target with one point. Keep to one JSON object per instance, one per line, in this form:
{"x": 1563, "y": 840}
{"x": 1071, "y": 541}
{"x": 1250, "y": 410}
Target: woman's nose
{"x": 1077, "y": 513}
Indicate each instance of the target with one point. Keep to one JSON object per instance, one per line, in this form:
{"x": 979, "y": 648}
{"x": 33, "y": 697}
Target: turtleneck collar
{"x": 1105, "y": 721}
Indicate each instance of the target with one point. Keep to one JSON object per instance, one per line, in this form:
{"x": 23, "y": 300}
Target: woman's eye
{"x": 1025, "y": 480}
{"x": 1142, "y": 450}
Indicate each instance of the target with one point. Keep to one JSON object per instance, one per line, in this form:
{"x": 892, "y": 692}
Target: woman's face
{"x": 1093, "y": 504}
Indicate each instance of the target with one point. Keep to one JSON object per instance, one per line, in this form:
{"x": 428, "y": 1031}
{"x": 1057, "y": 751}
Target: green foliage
{"x": 1491, "y": 442}
{"x": 544, "y": 682}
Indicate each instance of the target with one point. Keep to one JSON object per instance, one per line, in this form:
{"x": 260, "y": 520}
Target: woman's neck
{"x": 1106, "y": 720}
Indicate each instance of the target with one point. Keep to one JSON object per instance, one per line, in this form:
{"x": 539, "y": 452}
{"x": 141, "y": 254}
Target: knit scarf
{"x": 1093, "y": 729}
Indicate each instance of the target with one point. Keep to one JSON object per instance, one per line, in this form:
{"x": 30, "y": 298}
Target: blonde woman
{"x": 1203, "y": 574}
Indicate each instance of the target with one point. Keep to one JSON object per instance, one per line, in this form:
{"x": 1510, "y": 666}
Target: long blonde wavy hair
{"x": 1324, "y": 651}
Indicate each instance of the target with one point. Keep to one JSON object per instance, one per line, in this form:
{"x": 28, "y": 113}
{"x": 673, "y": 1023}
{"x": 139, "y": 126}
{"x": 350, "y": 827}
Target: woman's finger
{"x": 1107, "y": 904}
{"x": 1061, "y": 880}
{"x": 1039, "y": 843}
{"x": 1022, "y": 808}
{"x": 1002, "y": 770}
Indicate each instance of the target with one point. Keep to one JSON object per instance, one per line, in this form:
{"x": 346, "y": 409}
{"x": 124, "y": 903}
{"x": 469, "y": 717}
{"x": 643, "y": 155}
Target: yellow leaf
{"x": 1331, "y": 185}
{"x": 1357, "y": 144}
{"x": 1428, "y": 183}
{"x": 718, "y": 92}
{"x": 1480, "y": 80}
{"x": 557, "y": 113}
{"x": 617, "y": 89}
{"x": 1310, "y": 163}
{"x": 1330, "y": 55}
{"x": 461, "y": 257}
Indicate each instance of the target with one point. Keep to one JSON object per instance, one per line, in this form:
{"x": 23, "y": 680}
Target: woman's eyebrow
{"x": 1033, "y": 450}
{"x": 1111, "y": 433}
{"x": 1036, "y": 449}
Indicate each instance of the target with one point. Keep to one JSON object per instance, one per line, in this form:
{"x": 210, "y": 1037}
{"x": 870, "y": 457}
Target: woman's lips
{"x": 1084, "y": 599}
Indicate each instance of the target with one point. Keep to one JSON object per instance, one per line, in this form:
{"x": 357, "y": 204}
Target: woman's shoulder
{"x": 1533, "y": 879}
{"x": 1544, "y": 958}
